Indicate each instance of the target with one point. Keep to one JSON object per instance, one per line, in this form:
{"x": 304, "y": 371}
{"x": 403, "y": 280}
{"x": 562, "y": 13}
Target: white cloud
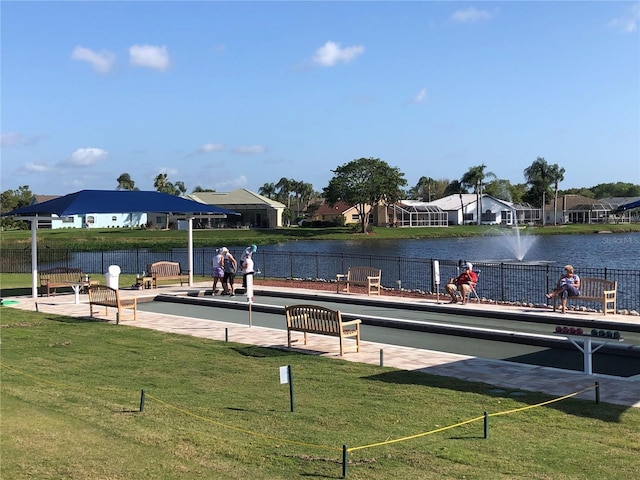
{"x": 85, "y": 157}
{"x": 250, "y": 149}
{"x": 231, "y": 184}
{"x": 149, "y": 56}
{"x": 102, "y": 62}
{"x": 15, "y": 139}
{"x": 470, "y": 15}
{"x": 627, "y": 23}
{"x": 36, "y": 167}
{"x": 331, "y": 53}
{"x": 420, "y": 97}
{"x": 210, "y": 148}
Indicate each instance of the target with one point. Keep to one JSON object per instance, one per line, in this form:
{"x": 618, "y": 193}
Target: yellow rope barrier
{"x": 411, "y": 437}
{"x": 326, "y": 447}
{"x": 540, "y": 404}
{"x": 186, "y": 412}
{"x": 242, "y": 430}
{"x": 353, "y": 449}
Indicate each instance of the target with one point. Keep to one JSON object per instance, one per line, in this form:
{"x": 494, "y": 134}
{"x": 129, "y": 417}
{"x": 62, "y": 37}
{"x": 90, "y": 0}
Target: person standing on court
{"x": 230, "y": 268}
{"x": 246, "y": 263}
{"x": 217, "y": 269}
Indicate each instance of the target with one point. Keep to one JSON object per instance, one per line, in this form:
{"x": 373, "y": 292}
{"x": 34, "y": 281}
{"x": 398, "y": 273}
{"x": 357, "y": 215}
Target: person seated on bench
{"x": 568, "y": 286}
{"x": 462, "y": 283}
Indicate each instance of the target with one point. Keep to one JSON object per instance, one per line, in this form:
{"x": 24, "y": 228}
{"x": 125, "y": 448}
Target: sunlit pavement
{"x": 506, "y": 375}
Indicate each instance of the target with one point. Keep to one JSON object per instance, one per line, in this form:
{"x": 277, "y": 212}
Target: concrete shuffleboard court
{"x": 524, "y": 339}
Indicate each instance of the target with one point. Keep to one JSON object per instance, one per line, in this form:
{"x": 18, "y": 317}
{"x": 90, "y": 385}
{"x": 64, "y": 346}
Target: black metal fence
{"x": 504, "y": 282}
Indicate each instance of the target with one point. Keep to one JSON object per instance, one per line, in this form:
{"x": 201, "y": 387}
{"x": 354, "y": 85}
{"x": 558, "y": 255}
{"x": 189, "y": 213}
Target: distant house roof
{"x": 43, "y": 198}
{"x": 456, "y": 201}
{"x": 419, "y": 206}
{"x": 337, "y": 209}
{"x": 593, "y": 207}
{"x": 237, "y": 199}
{"x": 566, "y": 202}
{"x": 619, "y": 200}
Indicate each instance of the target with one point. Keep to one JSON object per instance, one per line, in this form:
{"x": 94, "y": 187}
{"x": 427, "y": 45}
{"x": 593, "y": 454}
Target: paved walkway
{"x": 507, "y": 375}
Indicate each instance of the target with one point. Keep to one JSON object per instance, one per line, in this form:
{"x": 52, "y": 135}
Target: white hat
{"x": 469, "y": 265}
{"x": 224, "y": 250}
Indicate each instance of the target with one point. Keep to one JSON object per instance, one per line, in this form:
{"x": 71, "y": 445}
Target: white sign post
{"x": 436, "y": 277}
{"x": 249, "y": 293}
{"x": 286, "y": 376}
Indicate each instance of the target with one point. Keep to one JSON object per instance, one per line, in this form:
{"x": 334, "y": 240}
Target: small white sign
{"x": 284, "y": 375}
{"x": 436, "y": 271}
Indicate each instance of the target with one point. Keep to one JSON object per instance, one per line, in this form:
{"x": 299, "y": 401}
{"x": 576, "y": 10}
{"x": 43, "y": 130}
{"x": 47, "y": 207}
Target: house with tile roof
{"x": 332, "y": 213}
{"x": 256, "y": 211}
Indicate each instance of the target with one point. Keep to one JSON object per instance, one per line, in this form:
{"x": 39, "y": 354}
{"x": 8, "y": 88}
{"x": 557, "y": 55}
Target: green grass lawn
{"x": 124, "y": 238}
{"x": 70, "y": 397}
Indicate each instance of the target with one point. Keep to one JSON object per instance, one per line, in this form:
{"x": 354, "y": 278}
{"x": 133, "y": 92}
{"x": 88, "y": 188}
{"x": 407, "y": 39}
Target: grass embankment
{"x": 117, "y": 239}
{"x": 71, "y": 390}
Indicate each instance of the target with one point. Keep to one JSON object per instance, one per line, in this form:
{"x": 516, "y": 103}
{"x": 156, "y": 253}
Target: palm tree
{"x": 284, "y": 190}
{"x": 125, "y": 182}
{"x": 474, "y": 178}
{"x": 556, "y": 176}
{"x": 268, "y": 190}
{"x": 160, "y": 182}
{"x": 422, "y": 190}
{"x": 538, "y": 175}
{"x": 179, "y": 189}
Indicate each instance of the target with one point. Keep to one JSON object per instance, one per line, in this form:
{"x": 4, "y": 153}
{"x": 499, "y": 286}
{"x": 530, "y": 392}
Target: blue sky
{"x": 230, "y": 95}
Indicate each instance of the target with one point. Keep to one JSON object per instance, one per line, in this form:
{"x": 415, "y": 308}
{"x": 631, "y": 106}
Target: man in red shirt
{"x": 462, "y": 283}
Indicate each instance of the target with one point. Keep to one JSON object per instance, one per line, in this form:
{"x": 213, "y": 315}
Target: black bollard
{"x": 345, "y": 460}
{"x": 597, "y": 392}
{"x": 486, "y": 425}
{"x": 142, "y": 401}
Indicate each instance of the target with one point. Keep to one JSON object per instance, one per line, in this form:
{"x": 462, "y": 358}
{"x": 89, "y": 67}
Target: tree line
{"x": 372, "y": 181}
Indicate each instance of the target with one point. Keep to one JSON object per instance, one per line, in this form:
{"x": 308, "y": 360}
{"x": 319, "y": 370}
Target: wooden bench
{"x": 595, "y": 290}
{"x": 167, "y": 271}
{"x": 361, "y": 276}
{"x": 58, "y": 277}
{"x": 321, "y": 320}
{"x": 102, "y": 295}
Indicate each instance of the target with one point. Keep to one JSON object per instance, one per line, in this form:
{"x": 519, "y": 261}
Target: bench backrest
{"x": 595, "y": 287}
{"x": 164, "y": 269}
{"x": 360, "y": 274}
{"x": 103, "y": 295}
{"x": 60, "y": 274}
{"x": 313, "y": 318}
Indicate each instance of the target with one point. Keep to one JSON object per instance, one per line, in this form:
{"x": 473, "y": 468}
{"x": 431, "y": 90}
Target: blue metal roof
{"x": 118, "y": 201}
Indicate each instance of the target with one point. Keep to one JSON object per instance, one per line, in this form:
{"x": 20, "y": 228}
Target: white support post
{"x": 34, "y": 257}
{"x": 190, "y": 249}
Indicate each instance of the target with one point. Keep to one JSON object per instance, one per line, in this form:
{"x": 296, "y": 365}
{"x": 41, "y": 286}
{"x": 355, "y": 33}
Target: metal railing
{"x": 502, "y": 282}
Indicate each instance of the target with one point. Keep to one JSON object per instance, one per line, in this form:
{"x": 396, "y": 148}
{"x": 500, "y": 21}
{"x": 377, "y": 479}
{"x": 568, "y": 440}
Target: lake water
{"x": 617, "y": 251}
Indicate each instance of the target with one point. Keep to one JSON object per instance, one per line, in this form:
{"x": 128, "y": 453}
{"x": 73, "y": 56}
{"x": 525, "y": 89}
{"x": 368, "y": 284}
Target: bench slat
{"x": 102, "y": 295}
{"x": 165, "y": 270}
{"x": 320, "y": 320}
{"x": 596, "y": 290}
{"x": 368, "y": 277}
{"x": 58, "y": 277}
